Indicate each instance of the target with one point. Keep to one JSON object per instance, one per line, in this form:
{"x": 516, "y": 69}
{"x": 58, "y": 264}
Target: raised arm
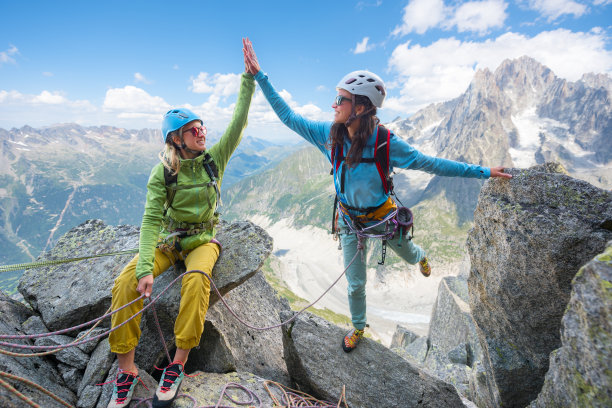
{"x": 313, "y": 131}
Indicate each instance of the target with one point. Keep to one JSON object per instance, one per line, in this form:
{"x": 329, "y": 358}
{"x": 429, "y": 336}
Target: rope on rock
{"x": 32, "y": 384}
{"x": 82, "y": 339}
{"x": 31, "y": 265}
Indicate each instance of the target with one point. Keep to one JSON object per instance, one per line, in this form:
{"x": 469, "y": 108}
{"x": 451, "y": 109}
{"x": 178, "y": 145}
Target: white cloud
{"x": 321, "y": 88}
{"x": 479, "y": 16}
{"x": 42, "y": 109}
{"x": 7, "y": 56}
{"x": 47, "y": 97}
{"x": 444, "y": 69}
{"x": 420, "y": 16}
{"x": 602, "y": 2}
{"x": 553, "y": 9}
{"x": 363, "y": 46}
{"x": 261, "y": 113}
{"x": 131, "y": 99}
{"x": 10, "y": 97}
{"x": 138, "y": 77}
{"x": 218, "y": 84}
{"x": 47, "y": 74}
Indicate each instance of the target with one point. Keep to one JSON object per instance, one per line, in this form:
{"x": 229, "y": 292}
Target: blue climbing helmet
{"x": 175, "y": 119}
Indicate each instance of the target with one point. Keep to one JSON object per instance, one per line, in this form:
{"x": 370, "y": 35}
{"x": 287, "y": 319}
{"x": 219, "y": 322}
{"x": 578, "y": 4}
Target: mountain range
{"x": 54, "y": 178}
{"x": 519, "y": 115}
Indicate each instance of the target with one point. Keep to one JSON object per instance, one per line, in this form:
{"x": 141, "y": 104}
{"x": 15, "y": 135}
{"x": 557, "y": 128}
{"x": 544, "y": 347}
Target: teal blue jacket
{"x": 363, "y": 186}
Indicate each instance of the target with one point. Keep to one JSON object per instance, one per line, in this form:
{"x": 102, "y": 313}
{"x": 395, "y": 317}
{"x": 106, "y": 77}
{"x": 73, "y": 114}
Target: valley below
{"x": 309, "y": 262}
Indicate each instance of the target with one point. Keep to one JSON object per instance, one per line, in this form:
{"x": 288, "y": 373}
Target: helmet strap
{"x": 184, "y": 147}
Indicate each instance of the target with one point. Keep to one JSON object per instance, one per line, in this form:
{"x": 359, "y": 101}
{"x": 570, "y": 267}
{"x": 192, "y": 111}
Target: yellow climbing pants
{"x": 195, "y": 292}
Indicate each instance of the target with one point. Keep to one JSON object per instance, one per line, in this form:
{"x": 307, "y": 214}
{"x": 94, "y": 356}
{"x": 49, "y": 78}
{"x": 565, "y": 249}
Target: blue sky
{"x": 124, "y": 63}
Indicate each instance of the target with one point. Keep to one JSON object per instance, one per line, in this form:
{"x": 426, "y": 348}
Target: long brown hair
{"x": 339, "y": 132}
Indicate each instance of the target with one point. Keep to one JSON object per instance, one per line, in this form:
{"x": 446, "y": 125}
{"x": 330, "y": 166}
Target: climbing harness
{"x": 394, "y": 219}
{"x": 84, "y": 339}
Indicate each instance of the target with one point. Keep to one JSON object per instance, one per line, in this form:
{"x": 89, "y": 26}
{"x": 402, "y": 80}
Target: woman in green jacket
{"x": 183, "y": 230}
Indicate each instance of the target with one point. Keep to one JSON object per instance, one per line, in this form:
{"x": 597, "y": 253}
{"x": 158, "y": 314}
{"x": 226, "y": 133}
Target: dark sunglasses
{"x": 339, "y": 99}
{"x": 196, "y": 131}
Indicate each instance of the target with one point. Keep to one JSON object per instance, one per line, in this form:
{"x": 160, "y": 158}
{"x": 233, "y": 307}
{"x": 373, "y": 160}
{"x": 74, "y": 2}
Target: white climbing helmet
{"x": 364, "y": 83}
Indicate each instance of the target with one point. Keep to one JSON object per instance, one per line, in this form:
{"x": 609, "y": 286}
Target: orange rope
{"x": 32, "y": 384}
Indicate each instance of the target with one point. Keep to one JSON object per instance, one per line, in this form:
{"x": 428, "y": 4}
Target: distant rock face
{"x": 531, "y": 235}
{"x": 579, "y": 374}
{"x": 519, "y": 115}
{"x": 373, "y": 375}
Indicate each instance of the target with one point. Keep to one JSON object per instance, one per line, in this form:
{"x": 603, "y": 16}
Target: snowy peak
{"x": 520, "y": 115}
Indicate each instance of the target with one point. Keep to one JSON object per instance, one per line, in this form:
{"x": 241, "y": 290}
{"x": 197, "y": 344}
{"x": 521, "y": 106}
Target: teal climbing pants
{"x": 356, "y": 273}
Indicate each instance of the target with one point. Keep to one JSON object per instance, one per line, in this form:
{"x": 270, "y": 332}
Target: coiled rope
{"x": 83, "y": 339}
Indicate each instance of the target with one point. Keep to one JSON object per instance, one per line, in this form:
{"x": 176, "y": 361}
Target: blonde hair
{"x": 170, "y": 157}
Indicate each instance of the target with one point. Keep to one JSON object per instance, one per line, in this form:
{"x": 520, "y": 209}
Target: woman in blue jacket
{"x": 359, "y": 187}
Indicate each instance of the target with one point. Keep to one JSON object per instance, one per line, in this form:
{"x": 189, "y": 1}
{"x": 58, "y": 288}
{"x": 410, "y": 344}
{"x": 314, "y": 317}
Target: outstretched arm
{"x": 314, "y": 132}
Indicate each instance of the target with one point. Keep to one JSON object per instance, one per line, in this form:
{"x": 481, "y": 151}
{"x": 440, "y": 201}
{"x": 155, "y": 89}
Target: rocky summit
{"x": 528, "y": 325}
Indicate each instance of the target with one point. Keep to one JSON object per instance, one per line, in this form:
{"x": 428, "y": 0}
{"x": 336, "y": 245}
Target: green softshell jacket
{"x": 193, "y": 205}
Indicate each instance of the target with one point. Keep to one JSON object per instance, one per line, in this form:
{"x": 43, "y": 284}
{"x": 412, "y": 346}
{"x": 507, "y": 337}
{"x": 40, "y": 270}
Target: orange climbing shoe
{"x": 424, "y": 267}
{"x": 351, "y": 340}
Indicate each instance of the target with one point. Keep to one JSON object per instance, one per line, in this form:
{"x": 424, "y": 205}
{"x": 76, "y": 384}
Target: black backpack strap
{"x": 381, "y": 155}
{"x": 211, "y": 167}
{"x": 169, "y": 180}
{"x": 213, "y": 173}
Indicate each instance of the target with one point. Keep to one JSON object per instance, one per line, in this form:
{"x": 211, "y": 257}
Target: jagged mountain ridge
{"x": 520, "y": 115}
{"x": 492, "y": 123}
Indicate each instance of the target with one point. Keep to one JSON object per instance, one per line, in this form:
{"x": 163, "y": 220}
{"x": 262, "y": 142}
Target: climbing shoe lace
{"x": 123, "y": 389}
{"x": 169, "y": 385}
{"x": 351, "y": 340}
{"x": 424, "y": 267}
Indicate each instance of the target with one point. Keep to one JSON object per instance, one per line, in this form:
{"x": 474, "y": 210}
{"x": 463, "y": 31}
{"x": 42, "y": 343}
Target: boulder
{"x": 579, "y": 374}
{"x": 69, "y": 294}
{"x": 531, "y": 235}
{"x": 452, "y": 328}
{"x": 255, "y": 351}
{"x": 35, "y": 369}
{"x": 209, "y": 389}
{"x": 373, "y": 375}
{"x": 245, "y": 248}
{"x": 402, "y": 337}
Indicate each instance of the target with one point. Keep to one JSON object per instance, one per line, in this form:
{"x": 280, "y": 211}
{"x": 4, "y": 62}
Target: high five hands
{"x": 251, "y": 65}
